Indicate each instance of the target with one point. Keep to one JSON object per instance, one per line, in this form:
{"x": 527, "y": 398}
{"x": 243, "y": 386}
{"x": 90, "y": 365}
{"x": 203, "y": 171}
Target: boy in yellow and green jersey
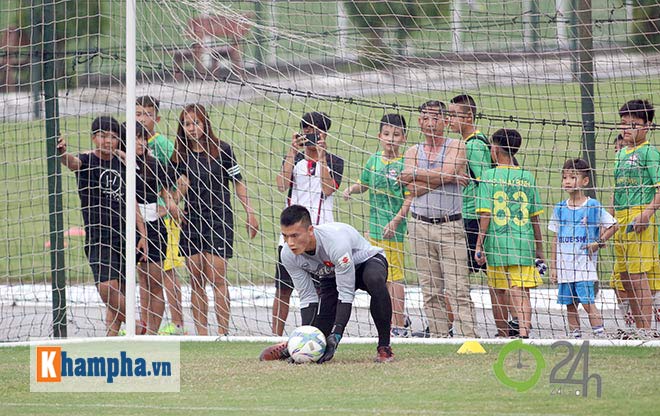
{"x": 146, "y": 112}
{"x": 389, "y": 204}
{"x": 510, "y": 236}
{"x": 636, "y": 198}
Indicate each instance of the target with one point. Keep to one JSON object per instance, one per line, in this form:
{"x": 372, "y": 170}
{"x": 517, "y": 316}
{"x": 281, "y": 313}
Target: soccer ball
{"x": 306, "y": 344}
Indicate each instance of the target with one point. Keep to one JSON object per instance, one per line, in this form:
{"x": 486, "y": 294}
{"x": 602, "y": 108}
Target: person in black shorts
{"x": 153, "y": 179}
{"x": 206, "y": 166}
{"x": 101, "y": 177}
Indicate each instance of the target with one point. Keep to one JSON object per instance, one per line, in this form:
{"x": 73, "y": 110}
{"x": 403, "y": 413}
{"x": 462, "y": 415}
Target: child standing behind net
{"x": 101, "y": 177}
{"x": 581, "y": 226}
{"x": 389, "y": 206}
{"x": 509, "y": 232}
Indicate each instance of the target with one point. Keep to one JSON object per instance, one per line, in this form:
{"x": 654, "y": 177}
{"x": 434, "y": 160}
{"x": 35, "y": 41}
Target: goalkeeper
{"x": 343, "y": 261}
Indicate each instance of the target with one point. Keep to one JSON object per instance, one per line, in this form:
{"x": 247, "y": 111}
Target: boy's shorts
{"x": 503, "y": 277}
{"x": 634, "y": 253}
{"x": 172, "y": 257}
{"x": 576, "y": 292}
{"x": 653, "y": 276}
{"x": 105, "y": 252}
{"x": 395, "y": 258}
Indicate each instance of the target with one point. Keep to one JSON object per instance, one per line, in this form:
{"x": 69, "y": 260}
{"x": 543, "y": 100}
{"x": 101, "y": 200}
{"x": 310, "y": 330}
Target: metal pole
{"x": 131, "y": 202}
{"x": 586, "y": 78}
{"x": 534, "y": 21}
{"x": 259, "y": 34}
{"x": 456, "y": 26}
{"x": 55, "y": 217}
{"x": 562, "y": 11}
{"x": 36, "y": 45}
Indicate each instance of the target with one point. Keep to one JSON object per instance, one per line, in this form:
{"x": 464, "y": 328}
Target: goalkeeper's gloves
{"x": 331, "y": 344}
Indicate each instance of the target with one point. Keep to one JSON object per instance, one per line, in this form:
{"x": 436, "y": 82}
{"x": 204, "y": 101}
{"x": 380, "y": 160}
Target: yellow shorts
{"x": 634, "y": 253}
{"x": 172, "y": 257}
{"x": 653, "y": 276}
{"x": 503, "y": 277}
{"x": 395, "y": 258}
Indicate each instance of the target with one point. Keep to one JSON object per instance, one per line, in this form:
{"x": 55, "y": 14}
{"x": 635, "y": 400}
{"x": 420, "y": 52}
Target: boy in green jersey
{"x": 509, "y": 232}
{"x": 636, "y": 198}
{"x": 146, "y": 112}
{"x": 389, "y": 205}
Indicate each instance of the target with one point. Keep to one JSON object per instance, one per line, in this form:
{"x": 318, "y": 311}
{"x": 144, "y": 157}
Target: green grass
{"x": 226, "y": 378}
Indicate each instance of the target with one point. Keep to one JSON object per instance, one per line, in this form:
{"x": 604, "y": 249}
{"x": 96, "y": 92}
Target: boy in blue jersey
{"x": 581, "y": 226}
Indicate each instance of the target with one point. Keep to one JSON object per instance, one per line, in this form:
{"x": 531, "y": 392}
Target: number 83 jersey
{"x": 509, "y": 195}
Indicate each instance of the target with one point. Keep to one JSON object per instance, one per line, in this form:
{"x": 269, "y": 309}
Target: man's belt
{"x": 438, "y": 220}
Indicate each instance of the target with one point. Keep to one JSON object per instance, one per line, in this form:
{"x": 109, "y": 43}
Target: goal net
{"x": 554, "y": 72}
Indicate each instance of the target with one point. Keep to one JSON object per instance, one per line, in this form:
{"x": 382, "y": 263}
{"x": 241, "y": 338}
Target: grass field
{"x": 226, "y": 378}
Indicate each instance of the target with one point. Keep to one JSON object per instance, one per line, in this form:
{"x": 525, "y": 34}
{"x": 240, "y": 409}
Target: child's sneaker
{"x": 384, "y": 355}
{"x": 398, "y": 332}
{"x": 629, "y": 318}
{"x": 577, "y": 334}
{"x": 599, "y": 332}
{"x": 172, "y": 329}
{"x": 514, "y": 328}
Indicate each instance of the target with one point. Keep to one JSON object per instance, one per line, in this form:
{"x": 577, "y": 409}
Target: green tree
{"x": 373, "y": 17}
{"x": 646, "y": 15}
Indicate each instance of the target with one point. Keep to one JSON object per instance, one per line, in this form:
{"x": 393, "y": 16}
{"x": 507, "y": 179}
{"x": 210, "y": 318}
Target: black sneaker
{"x": 514, "y": 328}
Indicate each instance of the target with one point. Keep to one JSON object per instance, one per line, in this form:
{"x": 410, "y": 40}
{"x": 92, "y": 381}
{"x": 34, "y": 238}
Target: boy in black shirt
{"x": 101, "y": 177}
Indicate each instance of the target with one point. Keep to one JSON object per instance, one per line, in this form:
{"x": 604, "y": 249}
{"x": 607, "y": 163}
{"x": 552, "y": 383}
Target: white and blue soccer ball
{"x": 306, "y": 344}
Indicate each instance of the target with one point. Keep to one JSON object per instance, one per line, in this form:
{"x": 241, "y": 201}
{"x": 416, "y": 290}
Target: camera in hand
{"x": 310, "y": 139}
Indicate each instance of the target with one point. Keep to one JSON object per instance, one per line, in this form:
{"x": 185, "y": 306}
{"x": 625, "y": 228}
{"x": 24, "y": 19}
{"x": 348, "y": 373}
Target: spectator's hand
{"x": 331, "y": 344}
{"x": 462, "y": 180}
{"x": 297, "y": 141}
{"x": 553, "y": 277}
{"x": 120, "y": 154}
{"x": 61, "y": 146}
{"x": 142, "y": 248}
{"x": 174, "y": 211}
{"x": 347, "y": 194}
{"x": 479, "y": 256}
{"x": 321, "y": 147}
{"x": 540, "y": 255}
{"x": 641, "y": 222}
{"x": 252, "y": 225}
{"x": 390, "y": 229}
{"x": 592, "y": 247}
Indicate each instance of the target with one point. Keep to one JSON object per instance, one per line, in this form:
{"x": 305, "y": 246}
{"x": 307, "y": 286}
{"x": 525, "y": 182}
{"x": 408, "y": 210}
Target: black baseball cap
{"x": 106, "y": 123}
